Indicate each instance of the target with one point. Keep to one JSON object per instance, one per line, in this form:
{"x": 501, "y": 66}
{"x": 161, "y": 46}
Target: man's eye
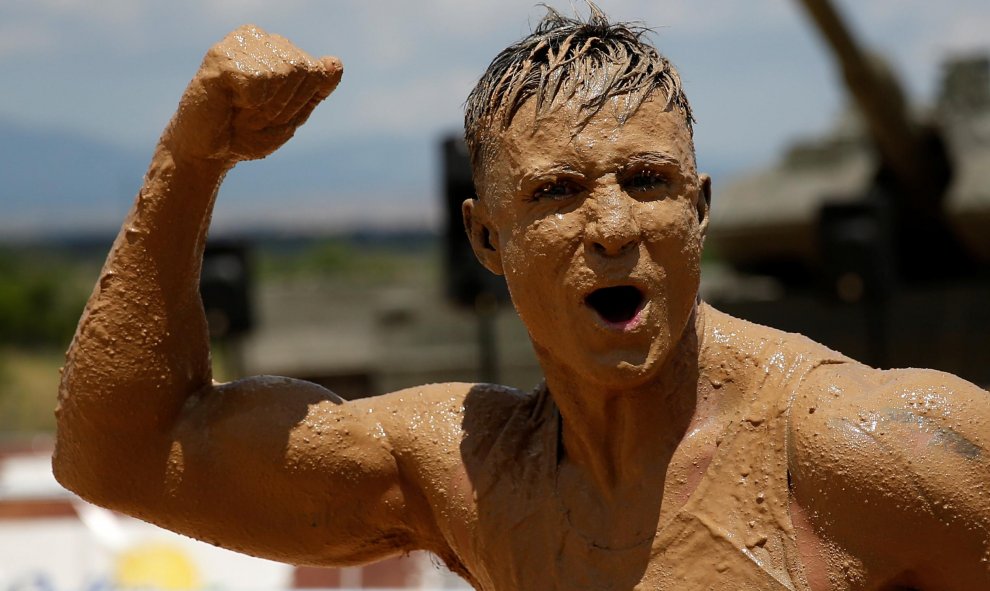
{"x": 645, "y": 181}
{"x": 557, "y": 190}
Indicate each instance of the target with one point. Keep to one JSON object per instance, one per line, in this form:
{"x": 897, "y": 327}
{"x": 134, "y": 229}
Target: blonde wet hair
{"x": 564, "y": 58}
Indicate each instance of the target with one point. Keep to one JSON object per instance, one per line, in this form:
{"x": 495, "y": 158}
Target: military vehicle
{"x": 874, "y": 239}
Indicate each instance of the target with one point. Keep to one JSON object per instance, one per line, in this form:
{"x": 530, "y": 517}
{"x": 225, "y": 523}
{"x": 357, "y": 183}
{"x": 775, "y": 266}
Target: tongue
{"x": 616, "y": 304}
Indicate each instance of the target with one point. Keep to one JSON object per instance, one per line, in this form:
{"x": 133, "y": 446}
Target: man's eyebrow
{"x": 653, "y": 157}
{"x": 549, "y": 170}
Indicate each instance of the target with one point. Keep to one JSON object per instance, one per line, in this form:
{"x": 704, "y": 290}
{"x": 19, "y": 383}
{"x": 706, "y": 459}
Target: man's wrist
{"x": 186, "y": 159}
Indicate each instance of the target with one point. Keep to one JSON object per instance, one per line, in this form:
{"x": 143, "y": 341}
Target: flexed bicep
{"x": 286, "y": 470}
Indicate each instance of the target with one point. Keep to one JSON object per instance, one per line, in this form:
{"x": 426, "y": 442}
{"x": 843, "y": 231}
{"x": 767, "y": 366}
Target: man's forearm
{"x": 141, "y": 352}
{"x": 142, "y": 346}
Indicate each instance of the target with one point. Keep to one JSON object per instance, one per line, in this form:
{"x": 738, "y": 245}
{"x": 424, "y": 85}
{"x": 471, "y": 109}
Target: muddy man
{"x": 670, "y": 447}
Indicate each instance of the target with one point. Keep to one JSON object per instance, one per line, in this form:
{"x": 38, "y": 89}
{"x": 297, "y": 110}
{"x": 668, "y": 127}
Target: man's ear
{"x": 483, "y": 240}
{"x": 704, "y": 204}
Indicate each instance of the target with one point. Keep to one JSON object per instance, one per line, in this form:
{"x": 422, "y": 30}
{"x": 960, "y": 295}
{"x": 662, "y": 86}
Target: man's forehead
{"x": 566, "y": 132}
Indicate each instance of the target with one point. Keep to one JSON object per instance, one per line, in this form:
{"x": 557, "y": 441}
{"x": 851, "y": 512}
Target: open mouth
{"x": 616, "y": 305}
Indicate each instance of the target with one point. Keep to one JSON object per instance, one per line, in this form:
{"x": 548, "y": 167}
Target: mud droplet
{"x": 106, "y": 279}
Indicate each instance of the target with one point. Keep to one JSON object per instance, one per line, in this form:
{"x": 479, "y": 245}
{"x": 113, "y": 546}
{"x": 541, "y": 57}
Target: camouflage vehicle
{"x": 874, "y": 239}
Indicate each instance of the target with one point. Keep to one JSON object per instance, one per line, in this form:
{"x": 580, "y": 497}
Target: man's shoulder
{"x": 854, "y": 392}
{"x": 453, "y": 415}
{"x": 851, "y": 407}
{"x": 454, "y": 399}
{"x": 747, "y": 343}
{"x": 873, "y": 451}
{"x": 829, "y": 386}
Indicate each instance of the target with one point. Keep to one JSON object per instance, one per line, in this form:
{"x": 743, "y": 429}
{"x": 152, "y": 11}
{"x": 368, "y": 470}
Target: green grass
{"x": 346, "y": 260}
{"x": 42, "y": 294}
{"x": 28, "y": 387}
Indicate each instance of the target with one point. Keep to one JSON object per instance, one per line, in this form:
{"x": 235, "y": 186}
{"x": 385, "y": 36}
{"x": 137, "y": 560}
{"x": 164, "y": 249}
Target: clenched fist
{"x": 247, "y": 99}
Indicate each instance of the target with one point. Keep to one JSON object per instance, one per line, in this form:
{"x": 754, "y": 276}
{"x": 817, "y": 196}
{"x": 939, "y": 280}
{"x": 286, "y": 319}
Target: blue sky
{"x": 756, "y": 73}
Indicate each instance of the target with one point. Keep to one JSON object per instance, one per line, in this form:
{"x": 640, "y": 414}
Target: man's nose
{"x": 612, "y": 227}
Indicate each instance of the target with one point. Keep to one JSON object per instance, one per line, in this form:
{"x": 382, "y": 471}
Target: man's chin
{"x": 621, "y": 369}
{"x": 606, "y": 359}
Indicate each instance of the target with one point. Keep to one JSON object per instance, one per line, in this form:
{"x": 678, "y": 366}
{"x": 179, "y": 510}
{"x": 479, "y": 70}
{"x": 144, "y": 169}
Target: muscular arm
{"x": 270, "y": 466}
{"x": 893, "y": 469}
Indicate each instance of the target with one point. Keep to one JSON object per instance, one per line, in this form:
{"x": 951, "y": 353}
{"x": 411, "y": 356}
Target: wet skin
{"x": 888, "y": 471}
{"x": 567, "y": 214}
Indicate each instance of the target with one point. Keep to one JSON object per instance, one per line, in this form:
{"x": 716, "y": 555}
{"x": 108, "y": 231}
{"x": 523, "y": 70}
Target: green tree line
{"x": 41, "y": 297}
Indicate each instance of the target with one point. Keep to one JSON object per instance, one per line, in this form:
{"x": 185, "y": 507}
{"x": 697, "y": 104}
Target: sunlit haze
{"x": 87, "y": 87}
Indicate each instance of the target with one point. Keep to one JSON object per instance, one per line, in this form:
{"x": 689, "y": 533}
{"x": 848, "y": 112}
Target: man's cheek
{"x": 513, "y": 259}
{"x": 681, "y": 239}
{"x": 526, "y": 248}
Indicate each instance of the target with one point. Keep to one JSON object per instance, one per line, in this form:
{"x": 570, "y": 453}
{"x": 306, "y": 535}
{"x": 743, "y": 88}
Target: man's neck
{"x": 622, "y": 438}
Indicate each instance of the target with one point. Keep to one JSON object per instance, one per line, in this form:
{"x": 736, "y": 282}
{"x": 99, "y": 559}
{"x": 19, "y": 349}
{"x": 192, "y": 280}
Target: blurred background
{"x": 851, "y": 161}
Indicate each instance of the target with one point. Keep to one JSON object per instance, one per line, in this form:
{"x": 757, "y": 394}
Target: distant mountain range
{"x": 56, "y": 182}
{"x": 52, "y": 179}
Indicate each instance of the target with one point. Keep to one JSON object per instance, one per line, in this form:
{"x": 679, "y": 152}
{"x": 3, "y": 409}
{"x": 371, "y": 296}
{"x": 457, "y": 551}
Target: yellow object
{"x": 156, "y": 566}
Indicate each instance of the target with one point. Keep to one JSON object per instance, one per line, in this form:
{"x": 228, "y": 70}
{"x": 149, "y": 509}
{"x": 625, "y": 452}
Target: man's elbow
{"x": 72, "y": 465}
{"x": 117, "y": 474}
{"x": 64, "y": 464}
{"x": 69, "y": 469}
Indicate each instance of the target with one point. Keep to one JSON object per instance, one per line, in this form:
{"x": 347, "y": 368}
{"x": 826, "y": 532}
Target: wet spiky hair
{"x": 563, "y": 56}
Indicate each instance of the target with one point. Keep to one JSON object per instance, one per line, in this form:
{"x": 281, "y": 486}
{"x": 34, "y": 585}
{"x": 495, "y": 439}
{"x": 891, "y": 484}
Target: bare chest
{"x": 536, "y": 533}
{"x": 717, "y": 519}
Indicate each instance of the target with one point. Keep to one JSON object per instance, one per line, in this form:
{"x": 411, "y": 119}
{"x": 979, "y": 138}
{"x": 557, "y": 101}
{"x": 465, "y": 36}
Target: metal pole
{"x": 486, "y": 309}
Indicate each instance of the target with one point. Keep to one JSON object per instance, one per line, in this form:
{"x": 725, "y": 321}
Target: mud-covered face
{"x": 598, "y": 234}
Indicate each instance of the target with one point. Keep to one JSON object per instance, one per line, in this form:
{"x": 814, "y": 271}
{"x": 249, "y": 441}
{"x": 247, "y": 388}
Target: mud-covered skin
{"x": 684, "y": 450}
{"x": 891, "y": 468}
